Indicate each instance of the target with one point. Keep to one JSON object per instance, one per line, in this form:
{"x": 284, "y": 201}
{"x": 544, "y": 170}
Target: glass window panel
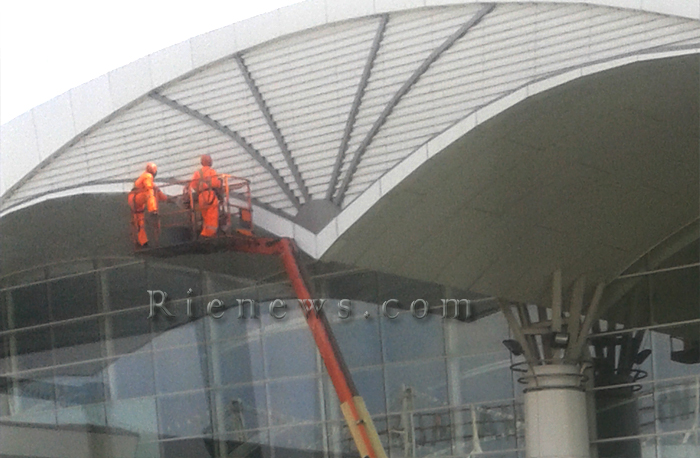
{"x": 130, "y": 332}
{"x": 370, "y": 385}
{"x": 184, "y": 415}
{"x": 132, "y": 376}
{"x": 134, "y": 415}
{"x": 408, "y": 338}
{"x": 483, "y": 378}
{"x": 245, "y": 443}
{"x": 41, "y": 417}
{"x": 357, "y": 337}
{"x": 683, "y": 344}
{"x": 30, "y": 306}
{"x": 80, "y": 384}
{"x": 240, "y": 408}
{"x": 294, "y": 401}
{"x": 78, "y": 341}
{"x": 186, "y": 333}
{"x": 33, "y": 349}
{"x": 624, "y": 411}
{"x": 30, "y": 391}
{"x": 677, "y": 404}
{"x": 681, "y": 445}
{"x": 237, "y": 361}
{"x": 298, "y": 441}
{"x": 180, "y": 369}
{"x": 485, "y": 335}
{"x": 360, "y": 286}
{"x": 83, "y": 415}
{"x": 127, "y": 287}
{"x": 187, "y": 448}
{"x": 74, "y": 297}
{"x": 289, "y": 352}
{"x": 4, "y": 310}
{"x": 418, "y": 385}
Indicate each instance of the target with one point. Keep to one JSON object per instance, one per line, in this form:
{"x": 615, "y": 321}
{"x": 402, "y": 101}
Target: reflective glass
{"x": 298, "y": 440}
{"x": 33, "y": 348}
{"x": 358, "y": 338}
{"x": 180, "y": 369}
{"x": 289, "y": 348}
{"x": 74, "y": 297}
{"x": 294, "y": 401}
{"x": 78, "y": 341}
{"x": 30, "y": 306}
{"x": 237, "y": 361}
{"x": 93, "y": 414}
{"x": 408, "y": 338}
{"x": 130, "y": 332}
{"x": 80, "y": 384}
{"x": 184, "y": 415}
{"x": 240, "y": 408}
{"x": 131, "y": 376}
{"x": 417, "y": 385}
{"x": 29, "y": 392}
{"x": 127, "y": 287}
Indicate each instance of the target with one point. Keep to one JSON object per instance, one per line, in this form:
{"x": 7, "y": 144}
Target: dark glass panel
{"x": 30, "y": 306}
{"x": 78, "y": 341}
{"x": 130, "y": 332}
{"x": 127, "y": 287}
{"x": 74, "y": 297}
{"x": 33, "y": 348}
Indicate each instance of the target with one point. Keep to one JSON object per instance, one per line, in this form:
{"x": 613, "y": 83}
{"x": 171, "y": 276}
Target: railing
{"x": 182, "y": 211}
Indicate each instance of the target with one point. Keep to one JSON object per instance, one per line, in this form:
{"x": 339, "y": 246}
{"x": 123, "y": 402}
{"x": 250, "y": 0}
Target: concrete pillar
{"x": 556, "y": 418}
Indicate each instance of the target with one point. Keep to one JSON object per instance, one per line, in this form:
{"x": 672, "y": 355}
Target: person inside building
{"x": 144, "y": 197}
{"x": 207, "y": 185}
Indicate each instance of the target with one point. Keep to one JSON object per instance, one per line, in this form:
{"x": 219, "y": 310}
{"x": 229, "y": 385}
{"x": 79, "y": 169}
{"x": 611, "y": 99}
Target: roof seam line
{"x": 233, "y": 135}
{"x": 403, "y": 90}
{"x": 350, "y": 123}
{"x": 273, "y": 127}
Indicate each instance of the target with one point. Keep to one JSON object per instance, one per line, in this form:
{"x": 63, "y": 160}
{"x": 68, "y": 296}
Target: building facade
{"x": 537, "y": 163}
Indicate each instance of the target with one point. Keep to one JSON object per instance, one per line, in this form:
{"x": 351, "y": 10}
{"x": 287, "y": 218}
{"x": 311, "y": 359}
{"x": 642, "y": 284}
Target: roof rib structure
{"x": 332, "y": 112}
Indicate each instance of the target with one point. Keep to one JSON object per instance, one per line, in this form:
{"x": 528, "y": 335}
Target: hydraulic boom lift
{"x": 243, "y": 240}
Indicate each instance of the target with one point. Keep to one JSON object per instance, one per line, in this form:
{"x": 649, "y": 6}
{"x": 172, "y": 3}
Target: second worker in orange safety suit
{"x": 207, "y": 185}
{"x": 144, "y": 196}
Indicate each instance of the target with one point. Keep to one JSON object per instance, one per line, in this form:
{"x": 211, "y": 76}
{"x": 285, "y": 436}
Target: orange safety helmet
{"x": 205, "y": 160}
{"x": 152, "y": 168}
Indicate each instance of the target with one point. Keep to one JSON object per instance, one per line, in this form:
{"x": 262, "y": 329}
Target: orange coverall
{"x": 143, "y": 196}
{"x": 204, "y": 181}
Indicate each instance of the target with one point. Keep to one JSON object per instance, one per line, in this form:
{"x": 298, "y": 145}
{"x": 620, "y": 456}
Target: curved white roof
{"x": 328, "y": 102}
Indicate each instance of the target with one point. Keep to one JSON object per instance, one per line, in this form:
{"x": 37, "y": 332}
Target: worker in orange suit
{"x": 207, "y": 185}
{"x": 144, "y": 196}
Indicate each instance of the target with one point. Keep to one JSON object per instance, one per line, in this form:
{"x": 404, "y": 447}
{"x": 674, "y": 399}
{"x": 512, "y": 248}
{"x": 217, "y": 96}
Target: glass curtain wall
{"x": 81, "y": 357}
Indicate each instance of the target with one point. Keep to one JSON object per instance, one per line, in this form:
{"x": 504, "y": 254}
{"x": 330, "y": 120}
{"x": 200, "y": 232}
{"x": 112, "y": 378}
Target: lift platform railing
{"x": 182, "y": 209}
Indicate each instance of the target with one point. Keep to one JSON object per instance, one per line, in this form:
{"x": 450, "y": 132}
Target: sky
{"x": 50, "y": 47}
